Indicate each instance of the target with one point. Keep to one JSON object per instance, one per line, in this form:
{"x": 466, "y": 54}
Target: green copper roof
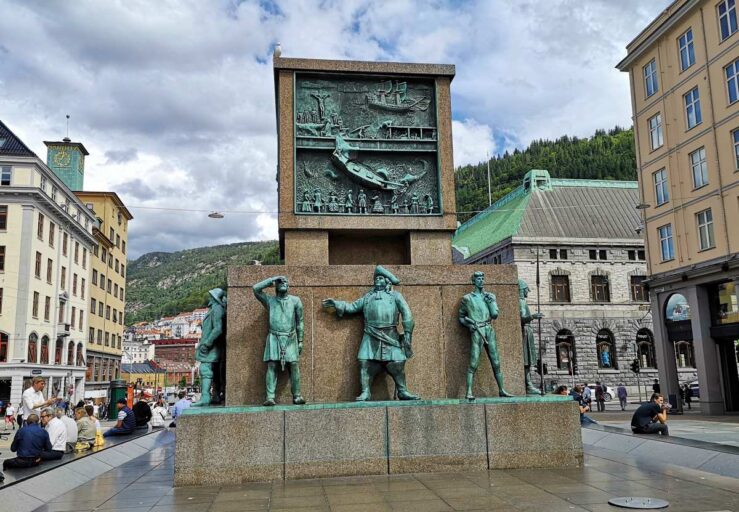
{"x": 554, "y": 208}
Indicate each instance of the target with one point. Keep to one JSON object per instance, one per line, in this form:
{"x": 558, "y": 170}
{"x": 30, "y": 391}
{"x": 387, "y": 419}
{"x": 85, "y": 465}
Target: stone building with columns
{"x": 591, "y": 265}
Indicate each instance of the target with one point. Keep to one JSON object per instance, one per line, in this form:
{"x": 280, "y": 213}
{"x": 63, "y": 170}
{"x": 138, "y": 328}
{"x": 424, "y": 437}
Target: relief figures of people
{"x": 382, "y": 347}
{"x": 284, "y": 342}
{"x": 211, "y": 350}
{"x": 477, "y": 310}
{"x": 529, "y": 345}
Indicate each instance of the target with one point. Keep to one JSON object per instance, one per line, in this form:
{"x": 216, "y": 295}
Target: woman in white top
{"x": 158, "y": 415}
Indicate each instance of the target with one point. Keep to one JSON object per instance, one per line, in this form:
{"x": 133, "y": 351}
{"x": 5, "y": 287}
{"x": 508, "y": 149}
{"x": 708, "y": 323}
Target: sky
{"x": 174, "y": 99}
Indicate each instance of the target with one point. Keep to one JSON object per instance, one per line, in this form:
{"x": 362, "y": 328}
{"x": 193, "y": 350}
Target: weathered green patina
{"x": 529, "y": 345}
{"x": 477, "y": 310}
{"x": 211, "y": 350}
{"x": 382, "y": 347}
{"x": 365, "y": 132}
{"x": 285, "y": 339}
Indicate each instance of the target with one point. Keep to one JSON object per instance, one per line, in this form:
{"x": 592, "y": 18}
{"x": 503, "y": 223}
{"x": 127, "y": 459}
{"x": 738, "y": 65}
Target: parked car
{"x": 695, "y": 388}
{"x": 609, "y": 394}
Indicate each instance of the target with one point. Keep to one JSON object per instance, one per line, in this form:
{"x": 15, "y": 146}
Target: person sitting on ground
{"x": 159, "y": 414}
{"x": 179, "y": 406}
{"x": 142, "y": 411}
{"x": 71, "y": 427}
{"x": 126, "y": 420}
{"x": 85, "y": 426}
{"x": 583, "y": 405}
{"x": 651, "y": 418}
{"x": 30, "y": 441}
{"x": 57, "y": 435}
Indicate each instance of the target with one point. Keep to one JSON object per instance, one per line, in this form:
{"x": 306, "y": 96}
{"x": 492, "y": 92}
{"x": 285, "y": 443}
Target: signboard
{"x": 36, "y": 372}
{"x": 96, "y": 393}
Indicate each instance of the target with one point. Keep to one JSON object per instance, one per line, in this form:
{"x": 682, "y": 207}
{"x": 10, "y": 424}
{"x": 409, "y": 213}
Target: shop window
{"x": 565, "y": 344}
{"x": 606, "y": 348}
{"x": 684, "y": 354}
{"x": 645, "y": 349}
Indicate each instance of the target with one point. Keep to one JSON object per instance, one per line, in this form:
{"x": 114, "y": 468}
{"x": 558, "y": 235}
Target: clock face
{"x": 62, "y": 158}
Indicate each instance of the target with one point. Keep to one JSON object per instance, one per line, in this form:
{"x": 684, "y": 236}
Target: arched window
{"x": 80, "y": 355}
{"x": 32, "y": 348}
{"x": 684, "y": 354}
{"x": 44, "y": 350}
{"x": 3, "y": 347}
{"x": 565, "y": 344}
{"x": 645, "y": 349}
{"x": 606, "y": 349}
{"x": 58, "y": 348}
{"x": 70, "y": 353}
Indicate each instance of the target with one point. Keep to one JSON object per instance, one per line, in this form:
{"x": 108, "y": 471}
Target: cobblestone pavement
{"x": 145, "y": 484}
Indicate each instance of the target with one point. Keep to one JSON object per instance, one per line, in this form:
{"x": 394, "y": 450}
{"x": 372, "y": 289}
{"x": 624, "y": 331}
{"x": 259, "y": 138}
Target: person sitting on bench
{"x": 30, "y": 441}
{"x": 126, "y": 420}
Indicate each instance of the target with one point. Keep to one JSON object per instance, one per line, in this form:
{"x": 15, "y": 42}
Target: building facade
{"x": 107, "y": 290}
{"x": 582, "y": 237}
{"x": 684, "y": 75}
{"x": 137, "y": 351}
{"x": 46, "y": 245}
{"x": 180, "y": 350}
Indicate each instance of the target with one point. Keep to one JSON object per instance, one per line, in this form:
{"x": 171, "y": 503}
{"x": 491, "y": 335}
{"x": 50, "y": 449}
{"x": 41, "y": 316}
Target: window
{"x": 91, "y": 336}
{"x": 80, "y": 355}
{"x": 61, "y": 312}
{"x": 63, "y": 278}
{"x": 53, "y": 193}
{"x": 5, "y": 174}
{"x": 693, "y": 108}
{"x": 115, "y": 316}
{"x": 110, "y": 261}
{"x": 95, "y": 277}
{"x": 602, "y": 254}
{"x": 82, "y": 288}
{"x": 732, "y": 80}
{"x": 110, "y": 285}
{"x": 655, "y": 131}
{"x": 40, "y": 227}
{"x": 687, "y": 52}
{"x": 2, "y": 258}
{"x": 58, "y": 351}
{"x": 93, "y": 306}
{"x": 606, "y": 348}
{"x": 102, "y": 281}
{"x": 34, "y": 311}
{"x": 734, "y": 134}
{"x": 705, "y": 229}
{"x": 563, "y": 254}
{"x": 65, "y": 241}
{"x": 639, "y": 292}
{"x": 118, "y": 241}
{"x": 104, "y": 255}
{"x": 599, "y": 289}
{"x": 123, "y": 246}
{"x": 32, "y": 348}
{"x": 115, "y": 290}
{"x": 684, "y": 355}
{"x": 107, "y": 339}
{"x": 665, "y": 242}
{"x": 112, "y": 235}
{"x": 650, "y": 78}
{"x": 699, "y": 167}
{"x": 37, "y": 269}
{"x": 631, "y": 255}
{"x": 117, "y": 265}
{"x": 123, "y": 270}
{"x": 74, "y": 284}
{"x": 3, "y": 217}
{"x": 661, "y": 190}
{"x": 641, "y": 255}
{"x": 727, "y": 18}
{"x": 49, "y": 267}
{"x": 81, "y": 320}
{"x": 100, "y": 337}
{"x": 76, "y": 252}
{"x": 100, "y": 309}
{"x": 70, "y": 353}
{"x": 560, "y": 289}
{"x": 1, "y": 301}
{"x": 593, "y": 254}
{"x": 84, "y": 258}
{"x": 645, "y": 349}
{"x": 553, "y": 254}
{"x": 52, "y": 230}
{"x": 74, "y": 314}
{"x": 47, "y": 308}
{"x": 107, "y": 312}
{"x": 565, "y": 344}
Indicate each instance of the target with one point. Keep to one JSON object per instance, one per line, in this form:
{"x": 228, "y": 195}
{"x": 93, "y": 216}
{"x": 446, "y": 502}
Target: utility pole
{"x": 490, "y": 194}
{"x": 538, "y": 311}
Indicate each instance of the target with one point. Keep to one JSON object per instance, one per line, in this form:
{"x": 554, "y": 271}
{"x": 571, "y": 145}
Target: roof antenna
{"x": 67, "y": 139}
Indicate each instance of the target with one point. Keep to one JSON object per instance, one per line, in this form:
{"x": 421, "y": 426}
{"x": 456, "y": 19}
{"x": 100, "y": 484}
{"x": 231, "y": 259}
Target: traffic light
{"x": 635, "y": 366}
{"x": 574, "y": 367}
{"x": 541, "y": 367}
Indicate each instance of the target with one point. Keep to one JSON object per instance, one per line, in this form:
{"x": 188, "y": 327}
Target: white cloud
{"x": 175, "y": 100}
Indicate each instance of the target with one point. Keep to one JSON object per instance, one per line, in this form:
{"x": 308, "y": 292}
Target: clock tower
{"x": 67, "y": 160}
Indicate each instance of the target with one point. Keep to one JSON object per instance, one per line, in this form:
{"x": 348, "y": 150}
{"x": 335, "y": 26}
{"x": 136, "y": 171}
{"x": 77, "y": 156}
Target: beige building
{"x": 684, "y": 74}
{"x": 46, "y": 244}
{"x": 107, "y": 291}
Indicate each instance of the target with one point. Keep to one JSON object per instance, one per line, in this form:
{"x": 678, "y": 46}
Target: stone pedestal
{"x": 375, "y": 438}
{"x": 328, "y": 365}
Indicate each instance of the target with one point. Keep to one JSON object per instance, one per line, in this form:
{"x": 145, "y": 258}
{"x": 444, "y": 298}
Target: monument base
{"x": 231, "y": 445}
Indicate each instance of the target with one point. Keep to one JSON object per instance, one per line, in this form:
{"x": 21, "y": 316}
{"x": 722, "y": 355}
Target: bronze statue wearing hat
{"x": 382, "y": 347}
{"x": 285, "y": 339}
{"x": 211, "y": 349}
{"x": 527, "y": 333}
{"x": 477, "y": 310}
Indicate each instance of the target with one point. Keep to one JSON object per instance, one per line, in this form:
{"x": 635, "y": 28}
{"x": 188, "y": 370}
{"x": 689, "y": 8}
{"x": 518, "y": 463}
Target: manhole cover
{"x": 640, "y": 503}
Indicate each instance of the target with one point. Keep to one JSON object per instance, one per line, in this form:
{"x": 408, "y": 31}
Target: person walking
{"x": 600, "y": 398}
{"x": 688, "y": 395}
{"x": 587, "y": 394}
{"x": 9, "y": 416}
{"x": 622, "y": 395}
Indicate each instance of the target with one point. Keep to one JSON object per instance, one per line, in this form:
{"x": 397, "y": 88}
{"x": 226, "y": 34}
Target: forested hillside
{"x": 605, "y": 155}
{"x": 167, "y": 283}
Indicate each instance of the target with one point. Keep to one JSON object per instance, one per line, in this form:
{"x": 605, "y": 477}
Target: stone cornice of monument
{"x": 377, "y": 132}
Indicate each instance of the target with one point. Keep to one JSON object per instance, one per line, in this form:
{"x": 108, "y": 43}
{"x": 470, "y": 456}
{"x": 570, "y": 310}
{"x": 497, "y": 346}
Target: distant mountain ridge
{"x": 166, "y": 283}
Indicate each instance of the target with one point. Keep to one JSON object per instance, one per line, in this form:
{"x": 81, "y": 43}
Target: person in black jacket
{"x": 651, "y": 418}
{"x": 142, "y": 411}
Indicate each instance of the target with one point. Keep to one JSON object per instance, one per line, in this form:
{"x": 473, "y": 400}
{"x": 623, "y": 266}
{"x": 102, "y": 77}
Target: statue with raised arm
{"x": 477, "y": 310}
{"x": 285, "y": 339}
{"x": 211, "y": 349}
{"x": 527, "y": 332}
{"x": 382, "y": 347}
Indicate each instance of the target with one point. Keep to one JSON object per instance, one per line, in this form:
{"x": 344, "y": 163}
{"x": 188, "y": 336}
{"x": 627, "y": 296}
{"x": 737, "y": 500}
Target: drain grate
{"x": 639, "y": 503}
